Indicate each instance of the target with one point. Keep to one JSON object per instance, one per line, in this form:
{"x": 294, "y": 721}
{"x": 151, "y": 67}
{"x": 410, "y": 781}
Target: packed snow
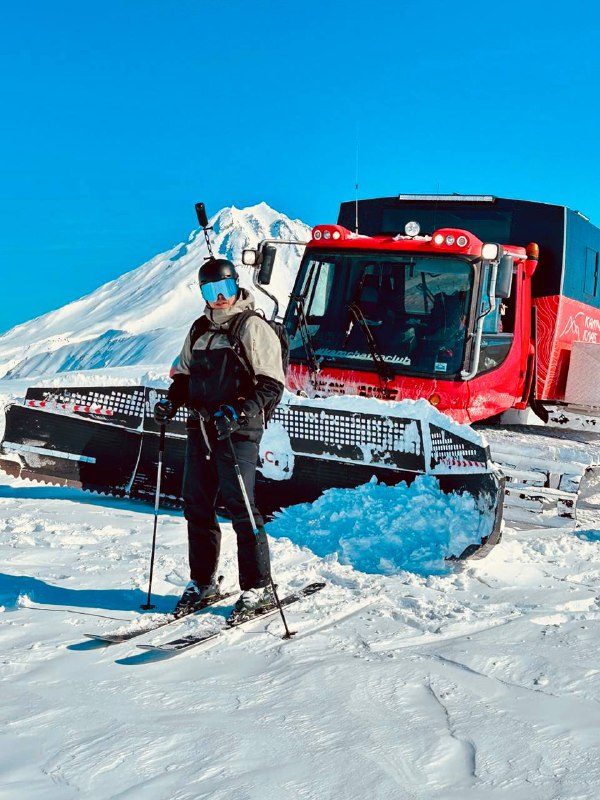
{"x": 385, "y": 529}
{"x": 481, "y": 681}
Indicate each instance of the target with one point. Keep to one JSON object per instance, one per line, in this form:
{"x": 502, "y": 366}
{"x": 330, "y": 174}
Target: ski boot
{"x": 195, "y": 597}
{"x": 250, "y": 604}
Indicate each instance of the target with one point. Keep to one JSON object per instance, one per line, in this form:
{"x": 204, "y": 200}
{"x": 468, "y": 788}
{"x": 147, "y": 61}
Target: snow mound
{"x": 383, "y": 529}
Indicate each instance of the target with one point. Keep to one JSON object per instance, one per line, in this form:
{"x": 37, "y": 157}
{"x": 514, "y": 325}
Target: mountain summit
{"x": 143, "y": 316}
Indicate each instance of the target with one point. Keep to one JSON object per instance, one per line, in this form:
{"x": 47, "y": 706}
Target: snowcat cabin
{"x": 375, "y": 310}
{"x": 433, "y": 298}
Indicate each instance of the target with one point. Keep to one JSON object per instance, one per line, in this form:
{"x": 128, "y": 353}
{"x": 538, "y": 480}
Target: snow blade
{"x": 343, "y": 442}
{"x": 105, "y": 440}
{"x": 98, "y": 439}
{"x": 69, "y": 450}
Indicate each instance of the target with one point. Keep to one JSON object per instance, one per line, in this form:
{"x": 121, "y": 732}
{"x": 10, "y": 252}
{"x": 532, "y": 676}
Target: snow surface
{"x": 482, "y": 682}
{"x": 407, "y": 679}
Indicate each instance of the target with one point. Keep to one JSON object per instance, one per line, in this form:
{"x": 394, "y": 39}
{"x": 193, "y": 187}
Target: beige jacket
{"x": 260, "y": 341}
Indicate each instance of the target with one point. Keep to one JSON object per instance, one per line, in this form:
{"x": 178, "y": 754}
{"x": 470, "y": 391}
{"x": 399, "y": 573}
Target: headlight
{"x": 250, "y": 258}
{"x": 490, "y": 251}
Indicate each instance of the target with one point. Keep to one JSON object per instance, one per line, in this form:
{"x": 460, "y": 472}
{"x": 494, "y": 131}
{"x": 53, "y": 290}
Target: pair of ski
{"x": 193, "y": 640}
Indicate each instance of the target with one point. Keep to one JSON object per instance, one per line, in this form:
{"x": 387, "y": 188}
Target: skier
{"x": 226, "y": 394}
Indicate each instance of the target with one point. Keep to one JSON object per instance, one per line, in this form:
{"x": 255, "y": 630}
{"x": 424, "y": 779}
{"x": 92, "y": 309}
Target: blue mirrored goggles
{"x": 226, "y": 287}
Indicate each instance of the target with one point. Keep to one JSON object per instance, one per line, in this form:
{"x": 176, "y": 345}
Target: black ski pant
{"x": 209, "y": 473}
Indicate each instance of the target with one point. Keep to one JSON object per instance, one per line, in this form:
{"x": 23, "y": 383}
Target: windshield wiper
{"x": 382, "y": 369}
{"x": 314, "y": 363}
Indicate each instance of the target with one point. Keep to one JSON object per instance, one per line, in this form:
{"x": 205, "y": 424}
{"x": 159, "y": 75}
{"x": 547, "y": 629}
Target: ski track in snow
{"x": 482, "y": 683}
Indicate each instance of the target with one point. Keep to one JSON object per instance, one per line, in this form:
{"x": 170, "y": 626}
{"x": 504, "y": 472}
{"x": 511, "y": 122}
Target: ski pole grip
{"x": 227, "y": 411}
{"x": 161, "y": 439}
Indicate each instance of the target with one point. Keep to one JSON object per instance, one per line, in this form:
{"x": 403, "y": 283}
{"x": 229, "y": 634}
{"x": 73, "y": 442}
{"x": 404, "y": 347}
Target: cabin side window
{"x": 498, "y": 330}
{"x": 590, "y": 285}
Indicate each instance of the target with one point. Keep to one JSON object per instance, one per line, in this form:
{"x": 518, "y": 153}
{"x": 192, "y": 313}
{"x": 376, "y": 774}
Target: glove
{"x": 250, "y": 409}
{"x": 268, "y": 392}
{"x": 226, "y": 422}
{"x": 164, "y": 411}
{"x": 179, "y": 390}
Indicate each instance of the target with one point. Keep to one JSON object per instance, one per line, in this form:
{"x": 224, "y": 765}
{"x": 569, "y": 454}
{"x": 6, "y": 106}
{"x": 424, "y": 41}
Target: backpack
{"x": 202, "y": 326}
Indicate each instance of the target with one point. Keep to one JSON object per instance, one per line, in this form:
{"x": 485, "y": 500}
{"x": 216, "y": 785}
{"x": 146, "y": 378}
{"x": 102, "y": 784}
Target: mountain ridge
{"x": 142, "y": 316}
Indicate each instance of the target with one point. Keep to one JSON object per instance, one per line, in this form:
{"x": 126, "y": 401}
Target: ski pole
{"x": 236, "y": 466}
{"x": 161, "y": 449}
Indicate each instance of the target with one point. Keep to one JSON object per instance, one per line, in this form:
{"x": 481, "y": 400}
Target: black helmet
{"x": 217, "y": 269}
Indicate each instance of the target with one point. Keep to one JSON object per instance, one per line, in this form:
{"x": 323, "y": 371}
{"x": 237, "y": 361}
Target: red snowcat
{"x": 489, "y": 308}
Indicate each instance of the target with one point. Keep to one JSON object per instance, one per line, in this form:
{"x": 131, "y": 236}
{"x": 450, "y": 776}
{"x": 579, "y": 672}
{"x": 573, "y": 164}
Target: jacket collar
{"x": 223, "y": 316}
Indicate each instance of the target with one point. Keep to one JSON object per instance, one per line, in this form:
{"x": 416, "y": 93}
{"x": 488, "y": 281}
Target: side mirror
{"x": 251, "y": 258}
{"x": 201, "y": 214}
{"x": 266, "y": 265}
{"x": 504, "y": 277}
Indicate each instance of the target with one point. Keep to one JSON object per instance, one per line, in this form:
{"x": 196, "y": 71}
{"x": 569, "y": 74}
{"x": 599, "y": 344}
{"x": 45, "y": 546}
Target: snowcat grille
{"x": 123, "y": 406}
{"x": 449, "y": 450}
{"x": 394, "y": 442}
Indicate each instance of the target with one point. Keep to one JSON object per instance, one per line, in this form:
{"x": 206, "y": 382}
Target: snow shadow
{"x": 13, "y": 587}
{"x": 46, "y": 492}
{"x": 589, "y": 536}
{"x": 147, "y": 657}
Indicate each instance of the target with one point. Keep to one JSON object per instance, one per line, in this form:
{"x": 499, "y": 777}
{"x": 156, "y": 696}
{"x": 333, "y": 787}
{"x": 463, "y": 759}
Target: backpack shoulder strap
{"x": 237, "y": 323}
{"x": 235, "y": 335}
{"x": 199, "y": 327}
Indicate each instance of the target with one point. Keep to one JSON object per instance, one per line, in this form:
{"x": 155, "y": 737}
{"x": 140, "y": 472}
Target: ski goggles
{"x": 226, "y": 287}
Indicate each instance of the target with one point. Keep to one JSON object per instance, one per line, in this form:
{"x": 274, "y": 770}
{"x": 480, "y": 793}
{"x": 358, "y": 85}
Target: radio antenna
{"x": 356, "y": 185}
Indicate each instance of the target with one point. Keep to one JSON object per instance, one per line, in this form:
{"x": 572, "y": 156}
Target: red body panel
{"x": 560, "y": 322}
{"x": 482, "y": 397}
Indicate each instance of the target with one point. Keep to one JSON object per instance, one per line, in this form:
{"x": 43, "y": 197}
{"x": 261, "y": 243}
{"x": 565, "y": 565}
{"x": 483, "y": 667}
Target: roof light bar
{"x": 456, "y": 198}
{"x": 450, "y": 238}
{"x": 330, "y": 232}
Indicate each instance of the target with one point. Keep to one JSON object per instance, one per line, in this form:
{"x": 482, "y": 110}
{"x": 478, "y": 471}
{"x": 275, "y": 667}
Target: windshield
{"x": 408, "y": 312}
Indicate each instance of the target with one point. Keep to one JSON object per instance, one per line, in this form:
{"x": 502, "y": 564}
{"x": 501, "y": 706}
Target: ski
{"x": 118, "y": 638}
{"x": 187, "y": 642}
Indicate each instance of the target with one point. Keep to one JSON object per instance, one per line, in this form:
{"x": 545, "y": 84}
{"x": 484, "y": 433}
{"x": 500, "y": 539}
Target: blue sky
{"x": 119, "y": 116}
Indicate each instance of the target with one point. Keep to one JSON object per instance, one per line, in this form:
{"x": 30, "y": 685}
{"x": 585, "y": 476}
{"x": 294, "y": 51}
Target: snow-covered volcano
{"x": 143, "y": 316}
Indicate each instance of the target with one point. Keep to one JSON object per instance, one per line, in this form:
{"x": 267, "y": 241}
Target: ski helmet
{"x": 217, "y": 269}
